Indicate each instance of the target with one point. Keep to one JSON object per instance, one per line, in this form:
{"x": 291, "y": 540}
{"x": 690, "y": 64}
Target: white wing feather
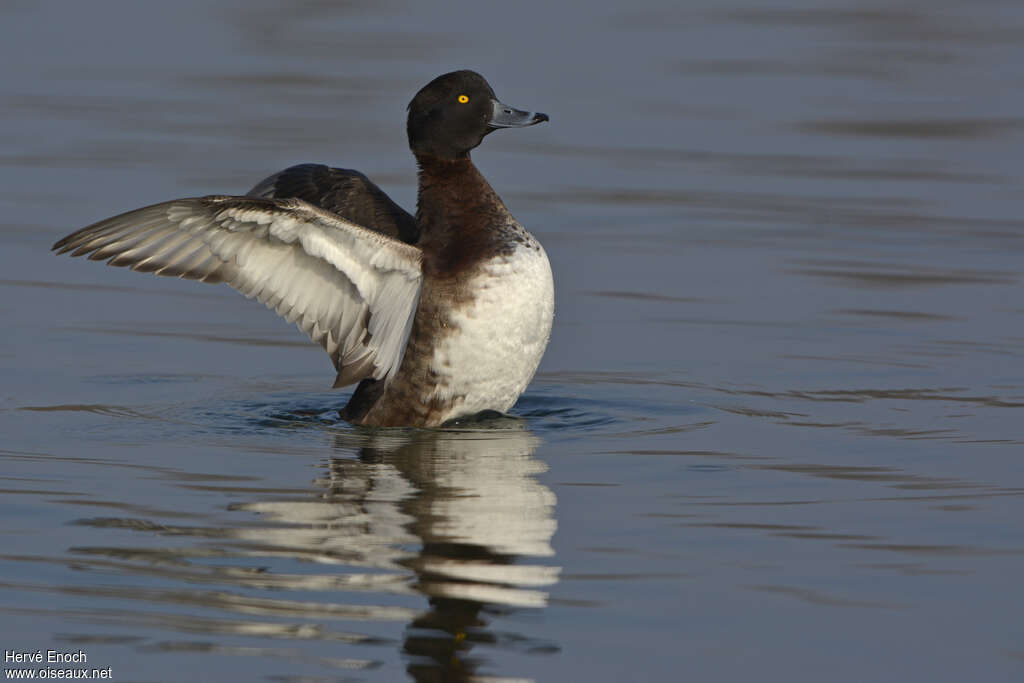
{"x": 352, "y": 290}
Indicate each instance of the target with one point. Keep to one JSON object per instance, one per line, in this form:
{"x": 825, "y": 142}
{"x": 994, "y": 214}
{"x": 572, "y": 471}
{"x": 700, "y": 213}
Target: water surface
{"x": 777, "y": 434}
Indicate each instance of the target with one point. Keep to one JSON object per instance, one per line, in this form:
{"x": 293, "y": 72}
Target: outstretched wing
{"x": 353, "y": 291}
{"x": 342, "y": 191}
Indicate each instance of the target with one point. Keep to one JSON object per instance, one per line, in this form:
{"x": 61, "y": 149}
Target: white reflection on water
{"x": 469, "y": 497}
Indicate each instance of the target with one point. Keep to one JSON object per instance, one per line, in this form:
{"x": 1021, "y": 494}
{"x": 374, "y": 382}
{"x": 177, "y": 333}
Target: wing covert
{"x": 342, "y": 191}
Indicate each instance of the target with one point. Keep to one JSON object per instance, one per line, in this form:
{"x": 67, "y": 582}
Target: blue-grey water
{"x": 777, "y": 435}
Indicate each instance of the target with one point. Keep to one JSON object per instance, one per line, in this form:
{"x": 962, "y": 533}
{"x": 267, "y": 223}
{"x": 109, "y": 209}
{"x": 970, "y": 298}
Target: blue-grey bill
{"x": 504, "y": 116}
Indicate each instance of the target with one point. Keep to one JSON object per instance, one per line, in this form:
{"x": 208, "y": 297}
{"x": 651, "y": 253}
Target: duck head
{"x": 451, "y": 115}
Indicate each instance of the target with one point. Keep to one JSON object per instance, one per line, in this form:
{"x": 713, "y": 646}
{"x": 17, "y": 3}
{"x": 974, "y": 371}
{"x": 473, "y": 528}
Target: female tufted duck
{"x": 439, "y": 316}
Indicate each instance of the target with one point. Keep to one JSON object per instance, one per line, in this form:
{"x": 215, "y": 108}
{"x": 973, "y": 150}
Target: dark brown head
{"x": 451, "y": 115}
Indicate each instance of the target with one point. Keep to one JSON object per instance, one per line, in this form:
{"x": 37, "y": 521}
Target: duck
{"x": 436, "y": 316}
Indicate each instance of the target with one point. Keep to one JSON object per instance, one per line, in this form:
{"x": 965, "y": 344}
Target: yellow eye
{"x": 463, "y": 99}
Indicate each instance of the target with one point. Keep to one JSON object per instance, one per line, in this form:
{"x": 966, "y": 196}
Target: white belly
{"x": 498, "y": 339}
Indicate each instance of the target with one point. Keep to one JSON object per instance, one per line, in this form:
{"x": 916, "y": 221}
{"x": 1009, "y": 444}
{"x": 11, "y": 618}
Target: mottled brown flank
{"x": 348, "y": 193}
{"x": 462, "y": 224}
{"x": 402, "y": 402}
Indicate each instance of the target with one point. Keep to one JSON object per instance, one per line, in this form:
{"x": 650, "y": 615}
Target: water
{"x": 776, "y": 436}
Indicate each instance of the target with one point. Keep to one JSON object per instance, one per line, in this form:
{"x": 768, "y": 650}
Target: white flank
{"x": 499, "y": 338}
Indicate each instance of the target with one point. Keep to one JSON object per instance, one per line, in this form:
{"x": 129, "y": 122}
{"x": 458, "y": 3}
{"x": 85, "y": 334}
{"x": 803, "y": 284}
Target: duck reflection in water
{"x": 470, "y": 501}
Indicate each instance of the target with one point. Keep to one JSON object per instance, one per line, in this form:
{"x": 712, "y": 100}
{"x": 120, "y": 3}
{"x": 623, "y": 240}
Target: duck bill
{"x": 504, "y": 116}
